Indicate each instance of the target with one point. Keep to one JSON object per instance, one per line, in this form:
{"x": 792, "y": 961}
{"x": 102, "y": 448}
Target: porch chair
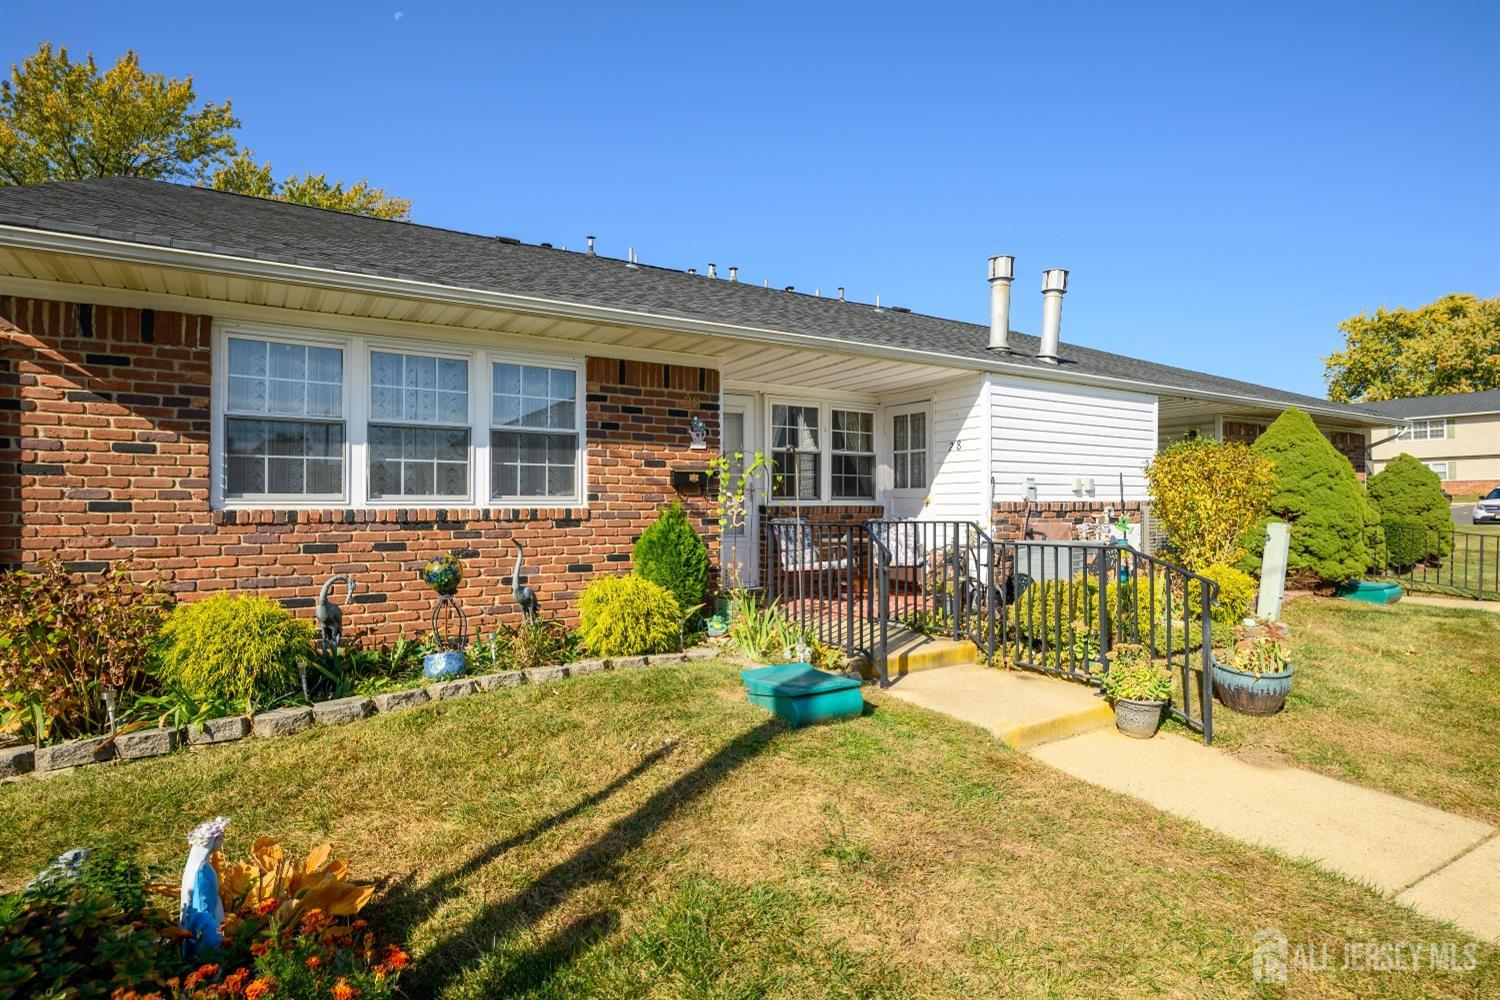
{"x": 902, "y": 539}
{"x": 797, "y": 553}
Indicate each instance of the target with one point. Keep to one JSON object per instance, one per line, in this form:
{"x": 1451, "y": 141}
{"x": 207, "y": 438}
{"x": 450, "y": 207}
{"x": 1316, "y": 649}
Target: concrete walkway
{"x": 1441, "y": 864}
{"x": 1462, "y": 603}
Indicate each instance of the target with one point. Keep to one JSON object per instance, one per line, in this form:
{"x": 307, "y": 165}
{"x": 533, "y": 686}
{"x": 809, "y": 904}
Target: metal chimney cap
{"x": 1055, "y": 279}
{"x": 1002, "y": 268}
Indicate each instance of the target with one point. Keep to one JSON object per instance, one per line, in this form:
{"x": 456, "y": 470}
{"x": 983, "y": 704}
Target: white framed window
{"x": 1425, "y": 430}
{"x": 852, "y": 454}
{"x": 1444, "y": 470}
{"x": 909, "y": 450}
{"x": 308, "y": 419}
{"x": 284, "y": 420}
{"x": 796, "y": 451}
{"x": 420, "y": 424}
{"x": 536, "y": 432}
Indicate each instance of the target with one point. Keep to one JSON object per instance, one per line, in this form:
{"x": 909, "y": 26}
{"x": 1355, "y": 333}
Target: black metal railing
{"x": 1055, "y": 607}
{"x": 1460, "y": 562}
{"x": 819, "y": 576}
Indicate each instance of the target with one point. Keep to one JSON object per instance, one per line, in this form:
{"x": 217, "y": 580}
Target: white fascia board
{"x": 140, "y": 253}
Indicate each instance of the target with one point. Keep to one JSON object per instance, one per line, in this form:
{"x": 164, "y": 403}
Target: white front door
{"x": 910, "y": 436}
{"x": 739, "y": 435}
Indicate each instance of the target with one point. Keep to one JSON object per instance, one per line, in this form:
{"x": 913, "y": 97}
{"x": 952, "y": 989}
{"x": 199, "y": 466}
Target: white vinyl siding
{"x": 958, "y": 462}
{"x": 1054, "y": 432}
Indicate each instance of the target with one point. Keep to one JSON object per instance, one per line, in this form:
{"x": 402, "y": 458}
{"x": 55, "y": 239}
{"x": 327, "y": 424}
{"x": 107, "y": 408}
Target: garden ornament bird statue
{"x": 524, "y": 595}
{"x": 330, "y": 618}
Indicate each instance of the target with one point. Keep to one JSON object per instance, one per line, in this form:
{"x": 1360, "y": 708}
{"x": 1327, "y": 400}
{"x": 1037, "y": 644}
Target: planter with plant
{"x": 1139, "y": 689}
{"x": 1258, "y": 677}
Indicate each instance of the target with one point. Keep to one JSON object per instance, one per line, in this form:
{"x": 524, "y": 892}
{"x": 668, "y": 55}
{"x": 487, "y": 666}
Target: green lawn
{"x": 1403, "y": 698}
{"x": 646, "y": 833}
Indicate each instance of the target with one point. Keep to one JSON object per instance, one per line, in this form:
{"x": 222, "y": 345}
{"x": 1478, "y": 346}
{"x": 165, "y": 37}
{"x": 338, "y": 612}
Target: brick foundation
{"x": 1463, "y": 487}
{"x": 1056, "y": 519}
{"x": 104, "y": 456}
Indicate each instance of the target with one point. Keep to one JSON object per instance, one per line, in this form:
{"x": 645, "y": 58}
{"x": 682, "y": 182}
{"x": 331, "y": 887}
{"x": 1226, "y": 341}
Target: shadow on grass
{"x": 462, "y": 948}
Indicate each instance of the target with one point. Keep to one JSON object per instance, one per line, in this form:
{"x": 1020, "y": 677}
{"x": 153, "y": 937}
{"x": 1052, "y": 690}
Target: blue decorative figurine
{"x": 202, "y": 913}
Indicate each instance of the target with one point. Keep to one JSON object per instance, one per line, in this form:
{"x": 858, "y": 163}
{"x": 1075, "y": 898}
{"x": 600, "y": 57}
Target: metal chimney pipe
{"x": 1054, "y": 287}
{"x": 1002, "y": 270}
{"x": 713, "y": 270}
{"x": 591, "y": 246}
{"x": 734, "y": 273}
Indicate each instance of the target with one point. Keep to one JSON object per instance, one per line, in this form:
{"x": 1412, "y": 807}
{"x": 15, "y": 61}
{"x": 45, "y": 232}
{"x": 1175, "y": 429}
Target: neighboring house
{"x": 241, "y": 393}
{"x": 1457, "y": 436}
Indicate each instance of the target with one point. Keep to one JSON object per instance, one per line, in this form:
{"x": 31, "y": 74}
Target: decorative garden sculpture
{"x": 524, "y": 595}
{"x": 450, "y": 629}
{"x": 201, "y": 912}
{"x": 330, "y": 617}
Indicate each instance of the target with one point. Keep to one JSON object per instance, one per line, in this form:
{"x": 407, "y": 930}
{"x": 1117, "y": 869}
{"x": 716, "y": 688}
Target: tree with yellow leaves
{"x": 1448, "y": 346}
{"x": 63, "y": 120}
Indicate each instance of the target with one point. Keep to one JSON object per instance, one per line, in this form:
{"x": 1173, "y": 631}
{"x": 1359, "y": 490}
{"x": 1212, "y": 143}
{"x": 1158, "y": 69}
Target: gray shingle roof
{"x": 173, "y": 215}
{"x": 1439, "y": 406}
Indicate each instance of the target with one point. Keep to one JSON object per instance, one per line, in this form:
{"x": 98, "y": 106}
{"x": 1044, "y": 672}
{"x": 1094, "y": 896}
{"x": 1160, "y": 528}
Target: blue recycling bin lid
{"x": 794, "y": 680}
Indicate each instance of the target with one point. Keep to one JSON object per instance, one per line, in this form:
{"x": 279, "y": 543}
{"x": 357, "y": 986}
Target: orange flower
{"x": 313, "y": 961}
{"x": 201, "y": 973}
{"x": 394, "y": 957}
{"x": 260, "y": 948}
{"x": 260, "y": 989}
{"x": 235, "y": 981}
{"x": 266, "y": 907}
{"x": 343, "y": 991}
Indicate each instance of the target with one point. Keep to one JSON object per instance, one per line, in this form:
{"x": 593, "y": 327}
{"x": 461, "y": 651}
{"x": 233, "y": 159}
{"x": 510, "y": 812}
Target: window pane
{"x": 898, "y": 468}
{"x": 418, "y": 388}
{"x": 853, "y": 431}
{"x": 247, "y": 357}
{"x": 800, "y": 480}
{"x": 526, "y": 465}
{"x": 918, "y": 470}
{"x": 288, "y": 361}
{"x": 290, "y": 380}
{"x": 531, "y": 396}
{"x": 283, "y": 457}
{"x": 246, "y": 475}
{"x": 284, "y": 475}
{"x": 898, "y": 432}
{"x": 418, "y": 461}
{"x": 853, "y": 477}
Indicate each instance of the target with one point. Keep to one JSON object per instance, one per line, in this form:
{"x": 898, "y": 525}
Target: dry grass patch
{"x": 647, "y": 833}
{"x": 1403, "y": 698}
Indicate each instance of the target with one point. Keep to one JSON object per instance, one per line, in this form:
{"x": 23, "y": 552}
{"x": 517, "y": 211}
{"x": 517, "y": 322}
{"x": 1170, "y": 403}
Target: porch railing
{"x": 1059, "y": 608}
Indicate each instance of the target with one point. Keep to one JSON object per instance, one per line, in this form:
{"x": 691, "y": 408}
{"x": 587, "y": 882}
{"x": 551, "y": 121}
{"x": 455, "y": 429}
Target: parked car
{"x": 1487, "y": 510}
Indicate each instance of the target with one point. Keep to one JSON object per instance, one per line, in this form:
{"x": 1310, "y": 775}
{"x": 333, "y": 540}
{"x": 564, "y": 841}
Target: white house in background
{"x": 891, "y": 412}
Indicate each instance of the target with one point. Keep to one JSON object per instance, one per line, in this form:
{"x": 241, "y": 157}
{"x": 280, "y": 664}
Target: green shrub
{"x": 240, "y": 648}
{"x": 85, "y": 929}
{"x": 537, "y": 643}
{"x": 1238, "y": 591}
{"x": 1405, "y": 541}
{"x": 1061, "y": 615}
{"x": 627, "y": 616}
{"x": 670, "y": 554}
{"x": 1407, "y": 491}
{"x": 1206, "y": 495}
{"x": 62, "y": 641}
{"x": 1319, "y": 496}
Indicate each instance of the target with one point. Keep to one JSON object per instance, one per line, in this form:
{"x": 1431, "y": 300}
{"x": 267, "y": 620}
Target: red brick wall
{"x": 1056, "y": 518}
{"x": 107, "y": 413}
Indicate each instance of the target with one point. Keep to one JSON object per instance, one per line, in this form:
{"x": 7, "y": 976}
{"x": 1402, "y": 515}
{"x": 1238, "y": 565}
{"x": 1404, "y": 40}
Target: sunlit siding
{"x": 1054, "y": 432}
{"x": 959, "y": 460}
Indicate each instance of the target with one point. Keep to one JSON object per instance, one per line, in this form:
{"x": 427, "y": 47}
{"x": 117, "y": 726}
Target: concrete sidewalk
{"x": 1443, "y": 865}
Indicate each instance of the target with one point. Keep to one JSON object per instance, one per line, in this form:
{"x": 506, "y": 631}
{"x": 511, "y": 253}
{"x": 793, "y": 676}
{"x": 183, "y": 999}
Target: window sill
{"x": 268, "y": 514}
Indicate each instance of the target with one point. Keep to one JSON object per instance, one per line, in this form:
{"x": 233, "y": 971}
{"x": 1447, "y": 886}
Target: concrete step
{"x": 1022, "y": 710}
{"x": 909, "y": 652}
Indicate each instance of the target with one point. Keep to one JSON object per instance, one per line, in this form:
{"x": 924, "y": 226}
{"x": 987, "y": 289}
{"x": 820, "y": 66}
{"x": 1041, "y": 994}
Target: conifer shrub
{"x": 1406, "y": 492}
{"x": 236, "y": 647}
{"x": 1319, "y": 496}
{"x": 670, "y": 554}
{"x": 627, "y": 616}
{"x": 1405, "y": 541}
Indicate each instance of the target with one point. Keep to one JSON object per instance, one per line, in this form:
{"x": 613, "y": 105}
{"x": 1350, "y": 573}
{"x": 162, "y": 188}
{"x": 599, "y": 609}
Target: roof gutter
{"x": 51, "y": 241}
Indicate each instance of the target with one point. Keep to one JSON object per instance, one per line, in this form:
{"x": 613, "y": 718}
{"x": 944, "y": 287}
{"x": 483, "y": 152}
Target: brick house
{"x": 235, "y": 393}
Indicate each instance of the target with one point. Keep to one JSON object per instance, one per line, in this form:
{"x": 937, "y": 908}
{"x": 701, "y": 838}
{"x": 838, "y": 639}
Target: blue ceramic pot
{"x": 1251, "y": 694}
{"x": 439, "y": 666}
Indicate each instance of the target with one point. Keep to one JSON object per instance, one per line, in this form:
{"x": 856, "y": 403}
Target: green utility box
{"x": 1371, "y": 591}
{"x": 800, "y": 693}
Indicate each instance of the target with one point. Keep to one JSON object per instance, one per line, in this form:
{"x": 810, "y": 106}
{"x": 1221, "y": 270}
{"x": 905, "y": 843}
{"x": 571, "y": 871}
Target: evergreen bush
{"x": 1319, "y": 496}
{"x": 670, "y": 554}
{"x": 239, "y": 648}
{"x": 627, "y": 616}
{"x": 1405, "y": 540}
{"x": 1408, "y": 491}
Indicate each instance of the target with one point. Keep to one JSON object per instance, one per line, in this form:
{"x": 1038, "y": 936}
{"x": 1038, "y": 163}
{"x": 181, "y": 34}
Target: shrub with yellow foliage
{"x": 285, "y": 889}
{"x": 1206, "y": 495}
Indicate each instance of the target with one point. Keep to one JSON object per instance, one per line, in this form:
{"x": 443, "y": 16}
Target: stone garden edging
{"x": 17, "y": 762}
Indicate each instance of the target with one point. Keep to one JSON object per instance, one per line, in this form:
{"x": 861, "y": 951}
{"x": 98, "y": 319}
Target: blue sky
{"x": 1225, "y": 182}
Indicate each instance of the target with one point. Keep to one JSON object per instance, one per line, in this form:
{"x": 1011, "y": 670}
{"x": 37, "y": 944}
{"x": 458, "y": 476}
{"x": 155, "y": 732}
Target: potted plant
{"x": 1139, "y": 689}
{"x": 1258, "y": 677}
